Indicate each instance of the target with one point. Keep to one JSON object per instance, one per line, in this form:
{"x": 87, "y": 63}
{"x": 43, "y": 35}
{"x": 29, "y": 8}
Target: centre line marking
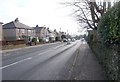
{"x": 16, "y": 63}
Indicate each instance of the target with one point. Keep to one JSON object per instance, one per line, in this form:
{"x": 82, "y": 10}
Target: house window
{"x": 23, "y": 31}
{"x": 19, "y": 31}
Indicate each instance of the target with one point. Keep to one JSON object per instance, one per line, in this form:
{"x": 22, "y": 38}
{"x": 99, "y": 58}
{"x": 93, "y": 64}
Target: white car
{"x": 73, "y": 39}
{"x": 68, "y": 41}
{"x": 46, "y": 40}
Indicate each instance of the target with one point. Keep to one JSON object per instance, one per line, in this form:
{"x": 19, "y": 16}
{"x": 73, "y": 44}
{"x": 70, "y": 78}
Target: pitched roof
{"x": 16, "y": 24}
{"x": 50, "y": 31}
{"x": 1, "y": 23}
{"x": 56, "y": 32}
{"x": 38, "y": 29}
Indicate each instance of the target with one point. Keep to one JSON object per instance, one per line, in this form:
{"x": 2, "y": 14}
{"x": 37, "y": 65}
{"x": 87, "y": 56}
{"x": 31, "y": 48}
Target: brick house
{"x": 57, "y": 35}
{"x": 15, "y": 31}
{"x": 52, "y": 35}
{"x": 41, "y": 32}
{"x": 1, "y": 35}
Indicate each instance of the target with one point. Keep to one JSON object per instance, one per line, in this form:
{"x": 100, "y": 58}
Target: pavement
{"x": 57, "y": 61}
{"x": 85, "y": 65}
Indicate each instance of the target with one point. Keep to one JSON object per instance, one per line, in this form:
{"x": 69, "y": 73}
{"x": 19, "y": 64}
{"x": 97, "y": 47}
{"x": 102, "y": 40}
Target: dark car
{"x": 64, "y": 40}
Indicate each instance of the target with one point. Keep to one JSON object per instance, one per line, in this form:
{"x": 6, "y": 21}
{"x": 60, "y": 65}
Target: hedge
{"x": 109, "y": 26}
{"x": 109, "y": 58}
{"x": 107, "y": 47}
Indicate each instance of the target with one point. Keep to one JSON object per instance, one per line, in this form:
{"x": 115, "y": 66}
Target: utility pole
{"x": 60, "y": 35}
{"x": 60, "y": 29}
{"x": 67, "y": 34}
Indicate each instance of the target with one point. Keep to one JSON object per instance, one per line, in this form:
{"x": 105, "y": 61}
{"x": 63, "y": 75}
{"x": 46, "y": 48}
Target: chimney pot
{"x": 16, "y": 20}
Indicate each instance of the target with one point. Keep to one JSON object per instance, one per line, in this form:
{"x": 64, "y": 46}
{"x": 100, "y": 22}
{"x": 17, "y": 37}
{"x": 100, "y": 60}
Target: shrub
{"x": 109, "y": 26}
{"x": 108, "y": 33}
{"x": 34, "y": 39}
{"x": 108, "y": 58}
{"x": 40, "y": 40}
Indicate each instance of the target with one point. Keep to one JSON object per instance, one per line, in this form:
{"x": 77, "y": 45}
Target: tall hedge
{"x": 109, "y": 26}
{"x": 108, "y": 33}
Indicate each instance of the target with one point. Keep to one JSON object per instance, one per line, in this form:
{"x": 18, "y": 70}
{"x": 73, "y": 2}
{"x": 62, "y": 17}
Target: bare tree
{"x": 89, "y": 12}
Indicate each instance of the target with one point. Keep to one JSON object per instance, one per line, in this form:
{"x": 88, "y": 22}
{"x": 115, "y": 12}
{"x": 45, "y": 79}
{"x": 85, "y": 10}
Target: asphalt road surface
{"x": 46, "y": 62}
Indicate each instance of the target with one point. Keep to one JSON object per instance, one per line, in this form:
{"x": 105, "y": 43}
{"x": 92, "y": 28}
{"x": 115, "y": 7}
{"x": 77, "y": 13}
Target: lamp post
{"x": 67, "y": 34}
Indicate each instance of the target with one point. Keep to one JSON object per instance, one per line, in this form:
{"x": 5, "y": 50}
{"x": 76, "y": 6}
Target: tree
{"x": 109, "y": 26}
{"x": 89, "y": 12}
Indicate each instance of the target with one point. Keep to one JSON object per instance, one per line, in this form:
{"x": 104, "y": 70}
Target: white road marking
{"x": 27, "y": 58}
{"x": 16, "y": 63}
{"x": 59, "y": 46}
{"x": 32, "y": 46}
{"x": 45, "y": 52}
{"x": 7, "y": 54}
{"x": 51, "y": 49}
{"x": 4, "y": 51}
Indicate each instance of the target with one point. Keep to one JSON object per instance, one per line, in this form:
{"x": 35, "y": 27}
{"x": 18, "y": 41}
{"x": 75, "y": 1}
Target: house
{"x": 52, "y": 35}
{"x": 1, "y": 35}
{"x": 63, "y": 35}
{"x": 41, "y": 33}
{"x": 57, "y": 35}
{"x": 15, "y": 31}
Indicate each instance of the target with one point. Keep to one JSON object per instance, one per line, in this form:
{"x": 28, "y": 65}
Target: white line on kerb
{"x": 15, "y": 63}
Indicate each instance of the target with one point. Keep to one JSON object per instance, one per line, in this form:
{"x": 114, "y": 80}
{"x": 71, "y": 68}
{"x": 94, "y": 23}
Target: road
{"x": 46, "y": 62}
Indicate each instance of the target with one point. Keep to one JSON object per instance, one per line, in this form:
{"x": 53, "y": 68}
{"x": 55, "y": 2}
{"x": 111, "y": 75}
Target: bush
{"x": 109, "y": 26}
{"x": 108, "y": 58}
{"x": 108, "y": 33}
{"x": 40, "y": 40}
{"x": 34, "y": 40}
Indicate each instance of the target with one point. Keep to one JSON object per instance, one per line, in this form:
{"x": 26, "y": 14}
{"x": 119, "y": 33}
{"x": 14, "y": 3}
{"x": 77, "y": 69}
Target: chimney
{"x": 16, "y": 20}
{"x": 48, "y": 28}
{"x": 55, "y": 30}
{"x": 1, "y": 23}
{"x": 37, "y": 26}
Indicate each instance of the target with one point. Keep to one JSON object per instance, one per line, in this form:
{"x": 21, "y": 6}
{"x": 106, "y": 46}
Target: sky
{"x": 39, "y": 12}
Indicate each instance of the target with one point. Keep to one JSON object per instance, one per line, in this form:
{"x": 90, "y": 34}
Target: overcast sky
{"x": 42, "y": 12}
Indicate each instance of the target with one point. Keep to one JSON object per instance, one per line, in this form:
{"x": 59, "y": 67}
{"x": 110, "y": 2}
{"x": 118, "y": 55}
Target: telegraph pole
{"x": 67, "y": 34}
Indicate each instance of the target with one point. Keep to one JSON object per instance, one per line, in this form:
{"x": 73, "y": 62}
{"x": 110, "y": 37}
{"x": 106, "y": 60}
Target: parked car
{"x": 82, "y": 39}
{"x": 52, "y": 39}
{"x": 64, "y": 40}
{"x": 29, "y": 41}
{"x": 73, "y": 39}
{"x": 46, "y": 39}
{"x": 68, "y": 41}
